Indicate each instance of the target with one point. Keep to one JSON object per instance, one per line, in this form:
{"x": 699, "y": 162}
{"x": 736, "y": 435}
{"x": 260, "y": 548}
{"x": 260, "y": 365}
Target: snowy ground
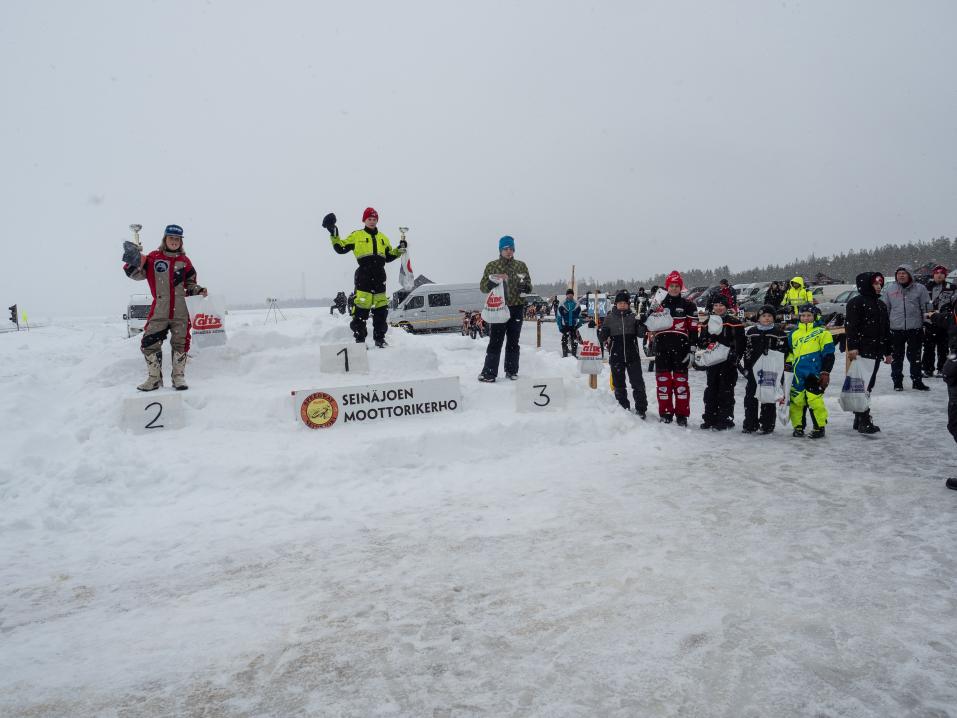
{"x": 486, "y": 563}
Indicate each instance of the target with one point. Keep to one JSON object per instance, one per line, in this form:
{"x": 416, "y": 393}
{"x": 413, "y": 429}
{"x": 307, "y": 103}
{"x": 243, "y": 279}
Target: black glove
{"x": 788, "y": 367}
{"x": 131, "y": 254}
{"x": 741, "y": 370}
{"x": 591, "y": 323}
{"x": 329, "y": 222}
{"x": 403, "y": 244}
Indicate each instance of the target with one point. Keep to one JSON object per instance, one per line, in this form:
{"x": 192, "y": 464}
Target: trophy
{"x": 135, "y": 228}
{"x": 402, "y": 231}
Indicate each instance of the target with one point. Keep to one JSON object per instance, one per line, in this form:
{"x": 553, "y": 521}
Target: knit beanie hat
{"x": 369, "y": 213}
{"x": 674, "y": 278}
{"x": 623, "y": 296}
{"x": 506, "y": 241}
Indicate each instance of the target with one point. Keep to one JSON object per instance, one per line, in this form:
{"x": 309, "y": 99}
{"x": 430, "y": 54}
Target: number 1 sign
{"x": 343, "y": 358}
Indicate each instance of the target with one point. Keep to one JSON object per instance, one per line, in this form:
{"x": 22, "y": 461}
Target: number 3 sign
{"x": 153, "y": 412}
{"x": 540, "y": 394}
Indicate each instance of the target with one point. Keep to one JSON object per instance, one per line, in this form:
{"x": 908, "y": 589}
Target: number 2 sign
{"x": 152, "y": 412}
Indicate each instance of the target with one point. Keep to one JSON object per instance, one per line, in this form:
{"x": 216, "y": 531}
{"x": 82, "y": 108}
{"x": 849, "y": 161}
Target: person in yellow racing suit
{"x": 811, "y": 358}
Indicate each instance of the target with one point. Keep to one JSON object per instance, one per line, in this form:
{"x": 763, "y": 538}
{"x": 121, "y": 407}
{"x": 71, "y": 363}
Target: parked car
{"x": 437, "y": 307}
{"x": 834, "y": 309}
{"x": 829, "y": 292}
{"x": 695, "y": 292}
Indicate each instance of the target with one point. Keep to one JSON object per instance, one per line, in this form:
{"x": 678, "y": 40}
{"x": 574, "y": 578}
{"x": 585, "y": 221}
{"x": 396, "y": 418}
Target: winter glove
{"x": 741, "y": 370}
{"x": 824, "y": 380}
{"x": 403, "y": 247}
{"x": 131, "y": 254}
{"x": 788, "y": 368}
{"x": 329, "y": 222}
{"x": 591, "y": 323}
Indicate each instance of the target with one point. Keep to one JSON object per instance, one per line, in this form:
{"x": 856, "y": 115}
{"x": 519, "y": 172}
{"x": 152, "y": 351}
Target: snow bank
{"x": 486, "y": 562}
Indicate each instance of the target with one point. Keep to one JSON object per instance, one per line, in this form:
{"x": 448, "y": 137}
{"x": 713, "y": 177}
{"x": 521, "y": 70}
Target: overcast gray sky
{"x": 625, "y": 137}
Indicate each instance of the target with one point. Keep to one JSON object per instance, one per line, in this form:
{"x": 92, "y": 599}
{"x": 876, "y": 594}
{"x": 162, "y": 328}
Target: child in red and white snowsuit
{"x": 675, "y": 332}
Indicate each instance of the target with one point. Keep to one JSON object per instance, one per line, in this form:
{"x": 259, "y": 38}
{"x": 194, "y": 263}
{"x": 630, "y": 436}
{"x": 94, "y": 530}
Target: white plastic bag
{"x": 496, "y": 310}
{"x": 854, "y": 396}
{"x": 784, "y": 403}
{"x": 207, "y": 315}
{"x": 659, "y": 321}
{"x": 589, "y": 351}
{"x": 711, "y": 355}
{"x": 768, "y": 370}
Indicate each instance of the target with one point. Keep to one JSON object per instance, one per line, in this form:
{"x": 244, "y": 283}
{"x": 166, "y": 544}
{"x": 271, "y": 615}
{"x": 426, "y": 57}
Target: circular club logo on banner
{"x": 319, "y": 410}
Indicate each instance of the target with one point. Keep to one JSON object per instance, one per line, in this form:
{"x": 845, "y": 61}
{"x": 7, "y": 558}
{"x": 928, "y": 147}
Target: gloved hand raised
{"x": 131, "y": 254}
{"x": 329, "y": 222}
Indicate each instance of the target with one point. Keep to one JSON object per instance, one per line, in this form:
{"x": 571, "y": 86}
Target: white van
{"x": 137, "y": 310}
{"x": 437, "y": 307}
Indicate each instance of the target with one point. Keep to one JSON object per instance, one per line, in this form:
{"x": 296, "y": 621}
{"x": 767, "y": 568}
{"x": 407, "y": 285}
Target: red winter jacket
{"x": 171, "y": 278}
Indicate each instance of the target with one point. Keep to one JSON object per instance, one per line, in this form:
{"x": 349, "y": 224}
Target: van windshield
{"x": 139, "y": 311}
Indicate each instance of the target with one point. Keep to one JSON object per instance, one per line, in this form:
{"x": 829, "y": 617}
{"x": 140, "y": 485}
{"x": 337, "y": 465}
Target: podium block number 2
{"x": 156, "y": 412}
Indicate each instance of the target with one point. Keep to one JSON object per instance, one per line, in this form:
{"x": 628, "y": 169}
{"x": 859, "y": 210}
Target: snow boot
{"x": 486, "y": 378}
{"x": 920, "y": 385}
{"x": 682, "y": 420}
{"x": 641, "y": 414}
{"x": 381, "y": 344}
{"x": 154, "y": 367}
{"x": 818, "y": 433}
{"x": 707, "y": 424}
{"x": 179, "y": 371}
{"x": 798, "y": 431}
{"x": 898, "y": 386}
{"x": 864, "y": 425}
{"x": 512, "y": 377}
{"x": 665, "y": 418}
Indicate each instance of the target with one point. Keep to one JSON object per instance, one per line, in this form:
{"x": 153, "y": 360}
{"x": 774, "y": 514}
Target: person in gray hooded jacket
{"x": 907, "y": 306}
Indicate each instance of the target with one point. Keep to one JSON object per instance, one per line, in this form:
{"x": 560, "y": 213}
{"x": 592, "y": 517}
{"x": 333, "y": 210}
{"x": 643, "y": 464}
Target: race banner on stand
{"x": 375, "y": 403}
{"x": 589, "y": 351}
{"x": 208, "y": 318}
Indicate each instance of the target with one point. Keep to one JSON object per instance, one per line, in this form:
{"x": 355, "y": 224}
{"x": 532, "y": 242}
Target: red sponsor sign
{"x": 494, "y": 301}
{"x": 207, "y": 321}
{"x": 589, "y": 350}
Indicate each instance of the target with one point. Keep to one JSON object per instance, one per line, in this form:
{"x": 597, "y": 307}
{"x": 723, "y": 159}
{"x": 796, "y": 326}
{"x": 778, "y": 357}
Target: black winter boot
{"x": 818, "y": 433}
{"x": 919, "y": 385}
{"x": 682, "y": 420}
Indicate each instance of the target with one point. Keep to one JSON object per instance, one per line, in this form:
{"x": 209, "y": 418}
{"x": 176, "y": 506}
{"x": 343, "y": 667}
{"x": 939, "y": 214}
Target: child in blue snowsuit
{"x": 569, "y": 318}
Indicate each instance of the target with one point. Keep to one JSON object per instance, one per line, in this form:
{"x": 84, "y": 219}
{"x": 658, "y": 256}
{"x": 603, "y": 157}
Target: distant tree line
{"x": 842, "y": 267}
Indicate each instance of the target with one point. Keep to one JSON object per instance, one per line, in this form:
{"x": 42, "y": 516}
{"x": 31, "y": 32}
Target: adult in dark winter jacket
{"x": 372, "y": 250}
{"x": 947, "y": 321}
{"x": 760, "y": 339}
{"x": 867, "y": 331}
{"x": 907, "y": 304}
{"x": 942, "y": 294}
{"x": 568, "y": 316}
{"x": 514, "y": 274}
{"x": 725, "y": 328}
{"x": 775, "y": 295}
{"x": 621, "y": 332}
{"x": 673, "y": 324}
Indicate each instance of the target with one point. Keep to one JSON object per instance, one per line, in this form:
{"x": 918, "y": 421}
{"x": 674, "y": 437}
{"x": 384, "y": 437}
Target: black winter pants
{"x": 633, "y": 370}
{"x": 569, "y": 337}
{"x": 508, "y": 333}
{"x": 763, "y": 416}
{"x": 935, "y": 348}
{"x": 719, "y": 394}
{"x": 909, "y": 340}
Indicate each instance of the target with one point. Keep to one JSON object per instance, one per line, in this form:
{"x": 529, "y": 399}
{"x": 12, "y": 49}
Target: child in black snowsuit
{"x": 622, "y": 332}
{"x": 722, "y": 328}
{"x": 759, "y": 339}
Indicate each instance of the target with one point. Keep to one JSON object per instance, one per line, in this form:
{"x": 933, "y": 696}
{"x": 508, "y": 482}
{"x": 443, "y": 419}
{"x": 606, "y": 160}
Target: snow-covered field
{"x": 489, "y": 563}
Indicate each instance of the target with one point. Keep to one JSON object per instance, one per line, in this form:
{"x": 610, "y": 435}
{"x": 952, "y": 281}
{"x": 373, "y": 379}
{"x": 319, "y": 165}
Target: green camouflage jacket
{"x": 519, "y": 280}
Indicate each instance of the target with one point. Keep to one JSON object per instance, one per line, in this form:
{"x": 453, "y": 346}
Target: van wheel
{"x": 407, "y": 327}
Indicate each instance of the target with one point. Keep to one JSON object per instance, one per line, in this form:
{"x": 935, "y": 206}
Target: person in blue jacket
{"x": 569, "y": 318}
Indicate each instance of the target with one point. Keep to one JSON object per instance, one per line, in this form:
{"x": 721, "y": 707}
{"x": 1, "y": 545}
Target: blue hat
{"x": 506, "y": 241}
{"x": 173, "y": 229}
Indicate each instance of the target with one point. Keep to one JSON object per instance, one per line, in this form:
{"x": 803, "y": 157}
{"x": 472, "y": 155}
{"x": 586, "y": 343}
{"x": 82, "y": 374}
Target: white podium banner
{"x": 338, "y": 406}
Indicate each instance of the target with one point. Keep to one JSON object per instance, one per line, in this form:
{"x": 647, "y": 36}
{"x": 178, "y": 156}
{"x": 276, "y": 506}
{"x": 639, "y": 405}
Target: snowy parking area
{"x": 482, "y": 563}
